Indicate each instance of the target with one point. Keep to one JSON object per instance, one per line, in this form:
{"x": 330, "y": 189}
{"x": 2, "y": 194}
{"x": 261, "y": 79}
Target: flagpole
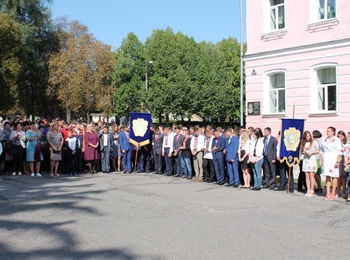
{"x": 241, "y": 61}
{"x": 137, "y": 151}
{"x": 137, "y": 147}
{"x": 290, "y": 168}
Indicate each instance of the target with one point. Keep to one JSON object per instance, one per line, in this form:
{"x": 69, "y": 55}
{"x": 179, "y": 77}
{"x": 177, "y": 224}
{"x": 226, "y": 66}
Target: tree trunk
{"x": 167, "y": 117}
{"x": 68, "y": 114}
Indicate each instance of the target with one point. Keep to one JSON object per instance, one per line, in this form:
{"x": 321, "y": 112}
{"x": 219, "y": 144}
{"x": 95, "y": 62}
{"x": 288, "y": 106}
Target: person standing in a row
{"x": 309, "y": 149}
{"x": 18, "y": 144}
{"x": 91, "y": 154}
{"x": 231, "y": 152}
{"x": 270, "y": 154}
{"x": 257, "y": 157}
{"x": 106, "y": 148}
{"x": 55, "y": 140}
{"x": 33, "y": 137}
{"x": 330, "y": 161}
{"x": 218, "y": 147}
{"x": 157, "y": 139}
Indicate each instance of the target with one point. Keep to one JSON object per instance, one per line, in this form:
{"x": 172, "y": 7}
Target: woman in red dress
{"x": 91, "y": 151}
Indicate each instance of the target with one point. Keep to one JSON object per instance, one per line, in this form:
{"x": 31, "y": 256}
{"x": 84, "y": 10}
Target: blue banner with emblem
{"x": 291, "y": 136}
{"x": 140, "y": 128}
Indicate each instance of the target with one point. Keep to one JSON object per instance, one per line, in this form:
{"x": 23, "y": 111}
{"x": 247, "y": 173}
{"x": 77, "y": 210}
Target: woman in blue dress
{"x": 33, "y": 138}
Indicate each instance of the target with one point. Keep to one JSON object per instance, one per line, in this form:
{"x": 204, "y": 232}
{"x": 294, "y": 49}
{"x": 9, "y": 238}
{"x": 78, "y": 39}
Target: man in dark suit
{"x": 218, "y": 146}
{"x": 106, "y": 147}
{"x": 270, "y": 154}
{"x": 177, "y": 143}
{"x": 231, "y": 149}
{"x": 157, "y": 139}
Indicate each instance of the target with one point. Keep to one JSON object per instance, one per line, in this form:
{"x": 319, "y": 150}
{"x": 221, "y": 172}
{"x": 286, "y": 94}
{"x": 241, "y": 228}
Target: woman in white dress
{"x": 309, "y": 148}
{"x": 330, "y": 161}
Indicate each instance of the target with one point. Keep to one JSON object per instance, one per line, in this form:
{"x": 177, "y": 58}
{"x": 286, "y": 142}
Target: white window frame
{"x": 314, "y": 90}
{"x": 315, "y": 11}
{"x": 267, "y": 16}
{"x": 268, "y": 89}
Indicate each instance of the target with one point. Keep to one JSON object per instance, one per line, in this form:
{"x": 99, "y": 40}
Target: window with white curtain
{"x": 277, "y": 17}
{"x": 326, "y": 89}
{"x": 277, "y": 93}
{"x": 326, "y": 9}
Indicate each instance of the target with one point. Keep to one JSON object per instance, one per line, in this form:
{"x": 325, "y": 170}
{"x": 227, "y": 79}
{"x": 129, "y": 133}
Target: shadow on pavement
{"x": 33, "y": 197}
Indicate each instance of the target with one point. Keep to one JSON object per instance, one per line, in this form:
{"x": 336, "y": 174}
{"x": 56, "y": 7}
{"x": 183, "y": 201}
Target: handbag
{"x": 37, "y": 154}
{"x": 7, "y": 146}
{"x": 44, "y": 147}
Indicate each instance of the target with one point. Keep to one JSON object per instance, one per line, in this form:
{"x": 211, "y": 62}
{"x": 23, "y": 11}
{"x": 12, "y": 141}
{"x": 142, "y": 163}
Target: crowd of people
{"x": 238, "y": 158}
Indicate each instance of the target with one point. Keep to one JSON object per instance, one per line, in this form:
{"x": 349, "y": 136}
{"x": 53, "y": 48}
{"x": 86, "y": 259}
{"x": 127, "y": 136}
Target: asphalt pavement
{"x": 139, "y": 216}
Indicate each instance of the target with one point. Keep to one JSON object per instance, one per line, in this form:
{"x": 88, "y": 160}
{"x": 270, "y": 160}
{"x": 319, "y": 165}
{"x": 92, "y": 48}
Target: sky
{"x": 111, "y": 20}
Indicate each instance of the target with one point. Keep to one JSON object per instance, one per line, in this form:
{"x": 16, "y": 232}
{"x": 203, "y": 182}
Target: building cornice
{"x": 297, "y": 50}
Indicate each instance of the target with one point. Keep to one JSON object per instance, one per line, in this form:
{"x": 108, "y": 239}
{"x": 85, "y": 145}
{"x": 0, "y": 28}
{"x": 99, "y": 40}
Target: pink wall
{"x": 297, "y": 15}
{"x": 333, "y": 46}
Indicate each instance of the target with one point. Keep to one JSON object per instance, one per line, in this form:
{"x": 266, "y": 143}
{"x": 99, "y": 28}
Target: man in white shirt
{"x": 106, "y": 147}
{"x": 197, "y": 143}
{"x": 208, "y": 165}
{"x": 167, "y": 151}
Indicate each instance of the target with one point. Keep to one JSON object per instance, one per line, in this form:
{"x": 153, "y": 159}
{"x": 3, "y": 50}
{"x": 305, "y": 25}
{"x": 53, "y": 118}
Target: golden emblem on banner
{"x": 291, "y": 139}
{"x": 139, "y": 126}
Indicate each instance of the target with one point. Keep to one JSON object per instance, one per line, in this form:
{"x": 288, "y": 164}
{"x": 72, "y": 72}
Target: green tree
{"x": 10, "y": 61}
{"x": 185, "y": 78}
{"x": 38, "y": 40}
{"x": 211, "y": 78}
{"x": 172, "y": 81}
{"x": 230, "y": 50}
{"x": 129, "y": 75}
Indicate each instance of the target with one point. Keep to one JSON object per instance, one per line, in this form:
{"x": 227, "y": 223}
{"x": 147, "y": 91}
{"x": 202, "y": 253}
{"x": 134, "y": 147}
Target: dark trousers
{"x": 269, "y": 173}
{"x": 105, "y": 159}
{"x": 301, "y": 178}
{"x": 62, "y": 166}
{"x": 178, "y": 164}
{"x": 219, "y": 167}
{"x": 158, "y": 161}
{"x": 17, "y": 154}
{"x": 144, "y": 160}
{"x": 251, "y": 166}
{"x": 79, "y": 157}
{"x": 208, "y": 170}
{"x": 283, "y": 170}
{"x": 71, "y": 164}
{"x": 168, "y": 162}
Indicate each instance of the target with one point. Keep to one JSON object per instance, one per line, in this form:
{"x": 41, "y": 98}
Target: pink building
{"x": 298, "y": 53}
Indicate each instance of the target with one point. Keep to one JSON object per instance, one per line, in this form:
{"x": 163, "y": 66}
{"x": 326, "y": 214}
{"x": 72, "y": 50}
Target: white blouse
{"x": 258, "y": 146}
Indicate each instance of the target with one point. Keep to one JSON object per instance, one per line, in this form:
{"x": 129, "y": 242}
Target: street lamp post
{"x": 146, "y": 75}
{"x": 241, "y": 60}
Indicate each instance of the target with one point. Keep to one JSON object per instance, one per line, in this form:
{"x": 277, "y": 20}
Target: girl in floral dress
{"x": 309, "y": 148}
